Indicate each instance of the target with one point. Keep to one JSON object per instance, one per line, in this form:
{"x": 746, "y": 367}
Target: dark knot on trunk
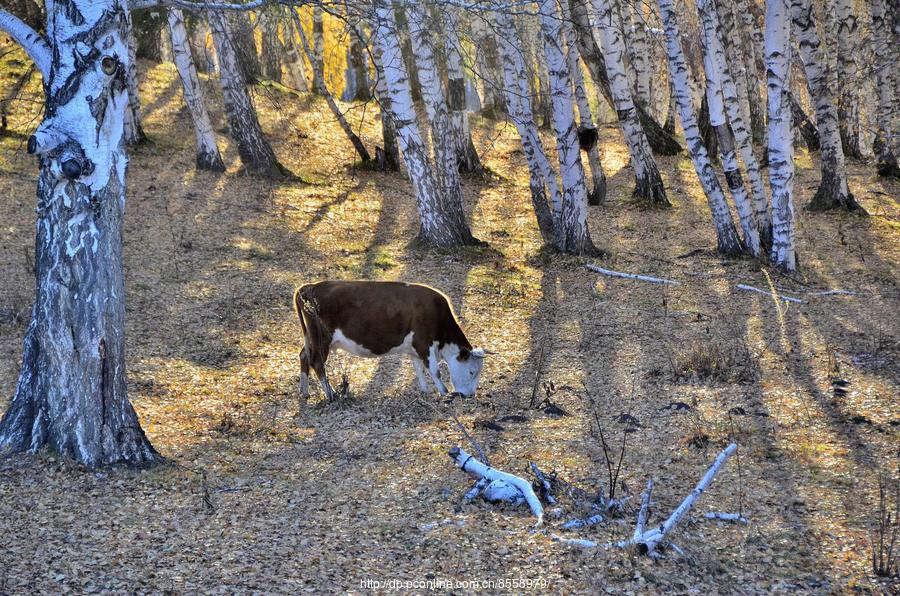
{"x": 71, "y": 169}
{"x": 587, "y": 137}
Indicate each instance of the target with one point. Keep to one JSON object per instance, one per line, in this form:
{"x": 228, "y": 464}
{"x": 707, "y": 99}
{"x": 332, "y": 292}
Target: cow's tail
{"x": 299, "y": 307}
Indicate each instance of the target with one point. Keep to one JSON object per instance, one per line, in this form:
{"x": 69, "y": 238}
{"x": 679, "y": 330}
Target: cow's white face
{"x": 465, "y": 368}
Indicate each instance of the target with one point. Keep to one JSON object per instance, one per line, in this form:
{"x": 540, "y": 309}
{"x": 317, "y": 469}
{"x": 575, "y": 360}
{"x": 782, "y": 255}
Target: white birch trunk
{"x": 318, "y": 57}
{"x": 833, "y": 189}
{"x": 742, "y": 138}
{"x": 443, "y": 139}
{"x": 649, "y": 183}
{"x": 887, "y": 138}
{"x": 466, "y": 155}
{"x": 726, "y": 234}
{"x": 71, "y": 395}
{"x": 389, "y": 157}
{"x": 586, "y": 126}
{"x": 438, "y": 225}
{"x": 487, "y": 65}
{"x": 751, "y": 42}
{"x": 726, "y": 141}
{"x": 737, "y": 67}
{"x": 543, "y": 182}
{"x": 322, "y": 89}
{"x": 208, "y": 156}
{"x": 255, "y": 152}
{"x": 293, "y": 60}
{"x": 134, "y": 130}
{"x": 638, "y": 51}
{"x": 781, "y": 148}
{"x": 573, "y": 235}
{"x": 204, "y": 52}
{"x": 847, "y": 36}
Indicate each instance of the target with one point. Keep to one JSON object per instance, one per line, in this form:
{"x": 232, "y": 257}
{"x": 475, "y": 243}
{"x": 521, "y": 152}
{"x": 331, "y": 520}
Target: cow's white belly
{"x": 341, "y": 341}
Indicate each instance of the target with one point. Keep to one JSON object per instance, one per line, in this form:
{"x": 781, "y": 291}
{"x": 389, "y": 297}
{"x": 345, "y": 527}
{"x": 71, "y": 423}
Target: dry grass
{"x": 256, "y": 497}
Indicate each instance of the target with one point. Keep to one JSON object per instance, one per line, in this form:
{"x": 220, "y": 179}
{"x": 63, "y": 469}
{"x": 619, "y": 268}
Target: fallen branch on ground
{"x": 647, "y": 278}
{"x": 747, "y": 288}
{"x": 503, "y": 486}
{"x": 732, "y": 517}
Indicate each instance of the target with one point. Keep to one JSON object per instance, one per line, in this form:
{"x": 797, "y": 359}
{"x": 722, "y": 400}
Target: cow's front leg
{"x": 434, "y": 369}
{"x": 420, "y": 374}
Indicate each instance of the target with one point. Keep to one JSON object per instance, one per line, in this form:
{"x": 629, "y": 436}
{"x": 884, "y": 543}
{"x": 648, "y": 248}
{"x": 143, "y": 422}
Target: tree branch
{"x": 30, "y": 40}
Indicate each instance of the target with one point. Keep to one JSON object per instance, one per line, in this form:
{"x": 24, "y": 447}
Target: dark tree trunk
{"x": 707, "y": 133}
{"x": 807, "y": 129}
{"x": 71, "y": 395}
{"x": 148, "y": 25}
{"x": 272, "y": 49}
{"x": 255, "y": 152}
{"x": 244, "y": 43}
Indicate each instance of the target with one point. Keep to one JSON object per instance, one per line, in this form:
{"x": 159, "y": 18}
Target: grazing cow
{"x": 373, "y": 318}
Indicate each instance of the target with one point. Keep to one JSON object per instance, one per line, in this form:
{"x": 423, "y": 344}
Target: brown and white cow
{"x": 373, "y": 318}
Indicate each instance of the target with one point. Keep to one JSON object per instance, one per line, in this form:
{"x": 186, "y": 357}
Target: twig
{"x": 644, "y": 513}
{"x": 647, "y": 278}
{"x": 747, "y": 288}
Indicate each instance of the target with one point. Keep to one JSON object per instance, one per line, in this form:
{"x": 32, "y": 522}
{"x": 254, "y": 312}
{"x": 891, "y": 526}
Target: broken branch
{"x": 470, "y": 465}
{"x": 747, "y": 288}
{"x": 647, "y": 278}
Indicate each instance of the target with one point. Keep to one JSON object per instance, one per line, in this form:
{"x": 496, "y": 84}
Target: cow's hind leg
{"x": 304, "y": 377}
{"x": 420, "y": 374}
{"x": 318, "y": 364}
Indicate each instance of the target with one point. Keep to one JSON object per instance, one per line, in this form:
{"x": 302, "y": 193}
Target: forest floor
{"x": 255, "y": 497}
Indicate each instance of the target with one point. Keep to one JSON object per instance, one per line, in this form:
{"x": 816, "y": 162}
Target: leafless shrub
{"x": 715, "y": 362}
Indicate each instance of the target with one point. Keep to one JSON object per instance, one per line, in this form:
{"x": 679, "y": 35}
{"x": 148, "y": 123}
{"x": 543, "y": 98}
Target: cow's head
{"x": 465, "y": 368}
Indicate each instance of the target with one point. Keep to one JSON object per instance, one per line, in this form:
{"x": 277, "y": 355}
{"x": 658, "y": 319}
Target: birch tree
{"x": 388, "y": 158}
{"x": 466, "y": 154}
{"x": 443, "y": 138}
{"x": 712, "y": 37}
{"x": 573, "y": 235}
{"x": 244, "y": 44}
{"x": 781, "y": 148}
{"x": 542, "y": 177}
{"x": 833, "y": 190}
{"x": 322, "y": 89}
{"x": 208, "y": 156}
{"x": 715, "y": 95}
{"x": 271, "y": 53}
{"x": 638, "y": 51}
{"x": 318, "y": 57}
{"x": 847, "y": 38}
{"x": 727, "y": 240}
{"x": 71, "y": 394}
{"x": 661, "y": 142}
{"x": 243, "y": 125}
{"x": 293, "y": 61}
{"x": 441, "y": 222}
{"x": 134, "y": 129}
{"x": 887, "y": 144}
{"x": 586, "y": 128}
{"x": 649, "y": 186}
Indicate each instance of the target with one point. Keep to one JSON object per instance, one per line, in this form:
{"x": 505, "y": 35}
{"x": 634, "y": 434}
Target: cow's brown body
{"x": 372, "y": 318}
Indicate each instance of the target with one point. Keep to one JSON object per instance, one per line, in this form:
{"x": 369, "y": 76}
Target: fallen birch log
{"x": 586, "y": 522}
{"x": 747, "y": 288}
{"x": 730, "y": 517}
{"x": 503, "y": 486}
{"x": 647, "y": 278}
{"x": 649, "y": 540}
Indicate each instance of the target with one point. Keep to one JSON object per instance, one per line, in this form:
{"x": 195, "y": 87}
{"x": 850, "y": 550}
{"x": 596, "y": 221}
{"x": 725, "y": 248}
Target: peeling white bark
{"x": 887, "y": 139}
{"x": 638, "y": 51}
{"x": 781, "y": 139}
{"x": 208, "y": 156}
{"x": 682, "y": 94}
